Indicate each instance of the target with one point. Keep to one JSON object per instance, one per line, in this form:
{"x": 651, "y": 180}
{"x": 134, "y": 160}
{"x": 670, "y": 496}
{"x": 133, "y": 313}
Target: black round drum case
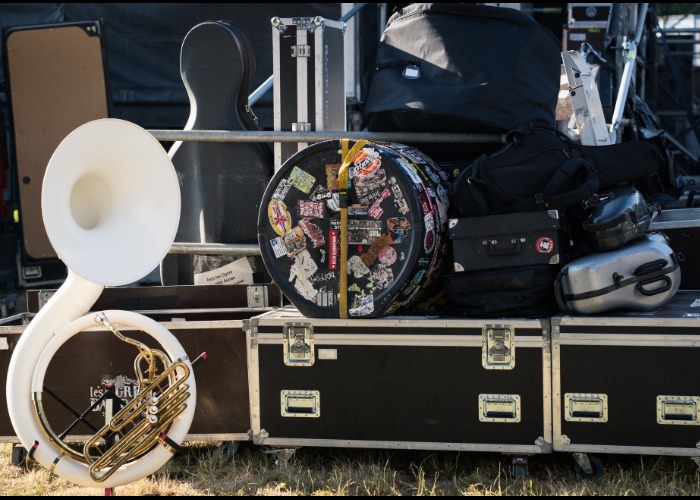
{"x": 354, "y": 229}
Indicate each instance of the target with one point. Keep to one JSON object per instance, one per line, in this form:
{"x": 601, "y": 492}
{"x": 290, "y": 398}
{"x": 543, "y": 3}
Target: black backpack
{"x": 539, "y": 168}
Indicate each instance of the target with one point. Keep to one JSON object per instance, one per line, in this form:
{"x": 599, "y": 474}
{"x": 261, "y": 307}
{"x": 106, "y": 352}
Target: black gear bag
{"x": 539, "y": 168}
{"x": 453, "y": 67}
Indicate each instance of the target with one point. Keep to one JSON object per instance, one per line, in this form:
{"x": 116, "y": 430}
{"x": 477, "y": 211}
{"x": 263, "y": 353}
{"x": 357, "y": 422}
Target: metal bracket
{"x": 44, "y": 296}
{"x": 257, "y": 296}
{"x": 281, "y": 456}
{"x": 277, "y": 23}
{"x": 564, "y": 441}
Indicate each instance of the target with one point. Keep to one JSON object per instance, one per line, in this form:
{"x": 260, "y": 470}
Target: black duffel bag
{"x": 452, "y": 67}
{"x": 541, "y": 168}
{"x": 524, "y": 291}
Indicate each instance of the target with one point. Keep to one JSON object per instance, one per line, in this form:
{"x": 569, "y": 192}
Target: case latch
{"x": 298, "y": 344}
{"x": 498, "y": 347}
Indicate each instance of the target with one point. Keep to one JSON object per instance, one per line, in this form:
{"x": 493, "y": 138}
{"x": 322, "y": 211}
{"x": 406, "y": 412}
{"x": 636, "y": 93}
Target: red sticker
{"x": 333, "y": 249}
{"x": 544, "y": 245}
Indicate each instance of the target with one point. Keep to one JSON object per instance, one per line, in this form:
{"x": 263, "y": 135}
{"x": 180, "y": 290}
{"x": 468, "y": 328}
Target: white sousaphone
{"x": 111, "y": 207}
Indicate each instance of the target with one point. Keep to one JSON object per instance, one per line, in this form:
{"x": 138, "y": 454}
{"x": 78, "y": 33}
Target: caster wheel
{"x": 518, "y": 468}
{"x": 596, "y": 469}
{"x": 519, "y": 471}
{"x": 228, "y": 450}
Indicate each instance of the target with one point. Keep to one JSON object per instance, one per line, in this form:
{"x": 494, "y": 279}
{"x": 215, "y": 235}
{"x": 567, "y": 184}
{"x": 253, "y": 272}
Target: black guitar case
{"x": 222, "y": 183}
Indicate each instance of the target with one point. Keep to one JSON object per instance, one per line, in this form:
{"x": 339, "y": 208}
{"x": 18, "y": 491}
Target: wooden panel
{"x": 57, "y": 82}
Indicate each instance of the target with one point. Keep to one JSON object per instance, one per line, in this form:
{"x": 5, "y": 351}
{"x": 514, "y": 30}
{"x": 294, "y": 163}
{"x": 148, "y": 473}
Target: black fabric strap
{"x": 620, "y": 283}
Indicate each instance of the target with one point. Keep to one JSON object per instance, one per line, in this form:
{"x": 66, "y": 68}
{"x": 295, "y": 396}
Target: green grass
{"x": 201, "y": 469}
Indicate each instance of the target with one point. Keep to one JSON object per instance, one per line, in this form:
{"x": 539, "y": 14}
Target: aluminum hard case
{"x": 204, "y": 319}
{"x": 627, "y": 383}
{"x": 641, "y": 276}
{"x": 308, "y": 78}
{"x": 401, "y": 382}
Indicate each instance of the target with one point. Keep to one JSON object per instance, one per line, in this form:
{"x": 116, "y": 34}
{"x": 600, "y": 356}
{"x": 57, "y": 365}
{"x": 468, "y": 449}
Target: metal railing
{"x": 309, "y": 137}
{"x": 304, "y": 137}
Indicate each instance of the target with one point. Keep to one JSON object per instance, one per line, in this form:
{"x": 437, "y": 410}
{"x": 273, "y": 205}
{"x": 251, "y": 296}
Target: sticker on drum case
{"x": 311, "y": 209}
{"x": 382, "y": 276}
{"x": 410, "y": 169}
{"x": 313, "y": 232}
{"x": 387, "y": 255}
{"x": 362, "y": 305}
{"x": 301, "y": 180}
{"x": 280, "y": 219}
{"x": 363, "y": 232}
{"x": 399, "y": 200}
{"x": 395, "y": 306}
{"x": 320, "y": 194}
{"x": 429, "y": 241}
{"x": 332, "y": 176}
{"x": 412, "y": 154}
{"x": 356, "y": 210}
{"x": 333, "y": 203}
{"x": 294, "y": 242}
{"x": 322, "y": 277}
{"x": 369, "y": 188}
{"x": 425, "y": 204}
{"x": 357, "y": 267}
{"x": 278, "y": 247}
{"x": 325, "y": 297}
{"x": 398, "y": 226}
{"x": 365, "y": 162}
{"x": 333, "y": 249}
{"x": 429, "y": 221}
{"x": 303, "y": 268}
{"x": 377, "y": 246}
{"x": 281, "y": 190}
{"x": 375, "y": 211}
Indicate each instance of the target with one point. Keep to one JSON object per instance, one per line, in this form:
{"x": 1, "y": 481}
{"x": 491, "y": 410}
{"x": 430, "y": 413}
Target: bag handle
{"x": 558, "y": 291}
{"x": 563, "y": 174}
{"x": 619, "y": 282}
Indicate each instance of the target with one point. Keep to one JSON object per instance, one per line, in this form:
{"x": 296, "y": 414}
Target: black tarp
{"x": 143, "y": 41}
